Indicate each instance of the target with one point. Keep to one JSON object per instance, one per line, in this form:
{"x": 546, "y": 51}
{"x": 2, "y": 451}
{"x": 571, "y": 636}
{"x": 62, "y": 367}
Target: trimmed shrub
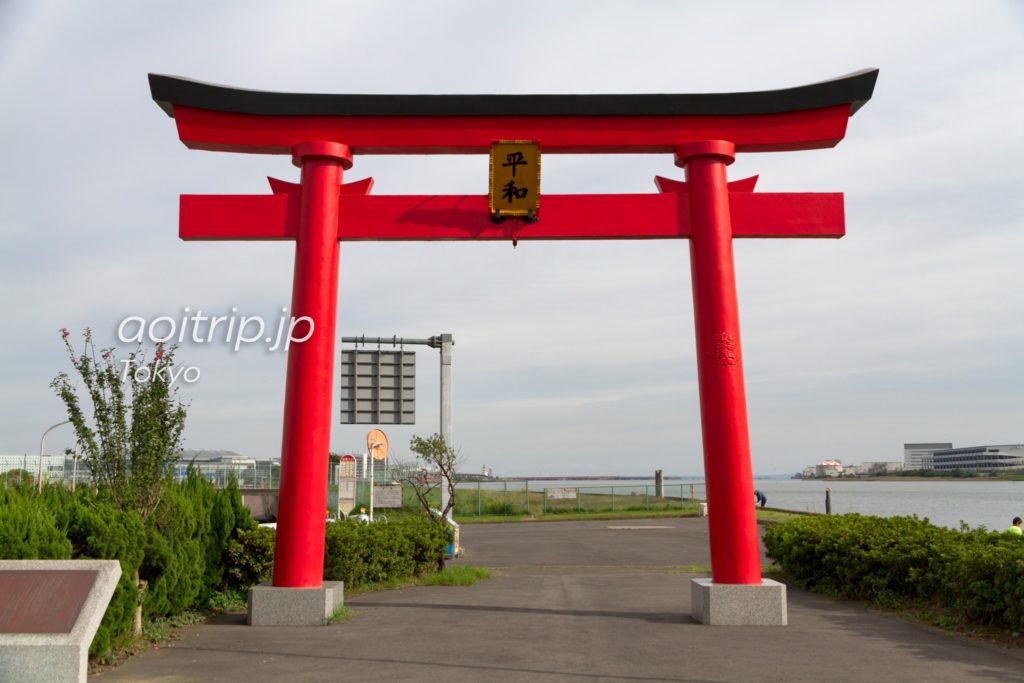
{"x": 58, "y": 524}
{"x": 249, "y": 557}
{"x": 361, "y": 554}
{"x": 28, "y": 529}
{"x": 979, "y": 574}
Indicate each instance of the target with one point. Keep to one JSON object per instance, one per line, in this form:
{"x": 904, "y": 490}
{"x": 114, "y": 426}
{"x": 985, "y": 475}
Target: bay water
{"x": 945, "y": 502}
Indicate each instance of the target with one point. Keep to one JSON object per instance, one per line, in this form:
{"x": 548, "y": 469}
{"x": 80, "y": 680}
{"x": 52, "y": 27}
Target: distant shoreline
{"x": 588, "y": 478}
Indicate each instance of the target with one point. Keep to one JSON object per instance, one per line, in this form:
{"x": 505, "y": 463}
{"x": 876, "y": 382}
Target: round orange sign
{"x": 377, "y": 444}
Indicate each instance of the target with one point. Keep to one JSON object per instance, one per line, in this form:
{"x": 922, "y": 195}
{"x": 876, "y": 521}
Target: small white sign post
{"x": 346, "y": 485}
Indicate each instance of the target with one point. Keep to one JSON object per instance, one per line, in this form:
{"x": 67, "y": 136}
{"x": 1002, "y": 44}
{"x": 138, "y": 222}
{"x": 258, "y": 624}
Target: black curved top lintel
{"x": 854, "y": 89}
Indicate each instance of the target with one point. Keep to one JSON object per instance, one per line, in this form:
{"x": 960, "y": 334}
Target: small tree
{"x": 19, "y": 477}
{"x": 435, "y": 466}
{"x": 137, "y": 425}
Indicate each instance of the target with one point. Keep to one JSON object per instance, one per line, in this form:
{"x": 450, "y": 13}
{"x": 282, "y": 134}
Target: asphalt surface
{"x": 574, "y": 601}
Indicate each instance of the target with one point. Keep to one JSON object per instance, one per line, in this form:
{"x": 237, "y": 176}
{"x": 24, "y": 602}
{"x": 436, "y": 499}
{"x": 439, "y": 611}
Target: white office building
{"x": 828, "y": 468}
{"x": 918, "y": 456}
{"x": 990, "y": 458}
{"x": 53, "y": 465}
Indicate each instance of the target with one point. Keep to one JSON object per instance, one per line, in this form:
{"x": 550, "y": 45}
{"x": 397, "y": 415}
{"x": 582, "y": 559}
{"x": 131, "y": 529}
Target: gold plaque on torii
{"x": 515, "y": 178}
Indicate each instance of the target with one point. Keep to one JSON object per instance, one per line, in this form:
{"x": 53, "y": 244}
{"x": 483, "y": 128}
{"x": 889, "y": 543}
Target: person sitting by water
{"x": 1015, "y": 527}
{"x": 760, "y": 498}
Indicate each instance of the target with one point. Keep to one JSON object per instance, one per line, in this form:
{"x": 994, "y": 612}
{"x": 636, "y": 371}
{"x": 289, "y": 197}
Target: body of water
{"x": 945, "y": 502}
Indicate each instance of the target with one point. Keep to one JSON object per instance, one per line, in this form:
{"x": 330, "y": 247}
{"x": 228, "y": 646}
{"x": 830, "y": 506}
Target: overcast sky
{"x": 570, "y": 357}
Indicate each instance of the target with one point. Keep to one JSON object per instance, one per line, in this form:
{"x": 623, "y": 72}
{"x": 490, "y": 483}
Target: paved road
{"x": 574, "y": 601}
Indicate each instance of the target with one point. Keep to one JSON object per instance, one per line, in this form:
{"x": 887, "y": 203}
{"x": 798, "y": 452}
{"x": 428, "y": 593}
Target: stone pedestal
{"x": 270, "y": 605}
{"x": 724, "y": 604}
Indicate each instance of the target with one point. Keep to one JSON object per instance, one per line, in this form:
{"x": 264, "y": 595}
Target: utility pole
{"x": 446, "y": 407}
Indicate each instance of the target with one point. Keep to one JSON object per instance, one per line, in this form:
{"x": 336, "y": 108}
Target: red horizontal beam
{"x": 262, "y": 134}
{"x": 465, "y": 217}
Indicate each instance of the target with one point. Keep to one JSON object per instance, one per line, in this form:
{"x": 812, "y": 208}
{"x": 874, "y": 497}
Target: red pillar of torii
{"x": 323, "y": 132}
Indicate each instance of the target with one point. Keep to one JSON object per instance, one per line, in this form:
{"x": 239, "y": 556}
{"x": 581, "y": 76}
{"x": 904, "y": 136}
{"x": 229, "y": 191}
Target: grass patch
{"x": 452, "y": 575}
{"x": 493, "y": 519}
{"x": 457, "y": 576}
{"x": 392, "y": 585}
{"x": 167, "y": 628}
{"x": 772, "y": 516}
{"x": 234, "y": 600}
{"x": 341, "y": 614}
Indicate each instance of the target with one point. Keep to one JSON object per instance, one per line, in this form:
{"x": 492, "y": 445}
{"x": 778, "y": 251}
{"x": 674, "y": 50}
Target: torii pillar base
{"x": 733, "y": 604}
{"x": 270, "y": 605}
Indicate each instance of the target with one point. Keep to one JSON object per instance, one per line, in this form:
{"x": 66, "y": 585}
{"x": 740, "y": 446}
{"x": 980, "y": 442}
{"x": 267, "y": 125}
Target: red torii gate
{"x": 323, "y": 132}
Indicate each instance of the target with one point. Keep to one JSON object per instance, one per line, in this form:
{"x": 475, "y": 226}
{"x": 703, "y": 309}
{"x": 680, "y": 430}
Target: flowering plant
{"x": 137, "y": 420}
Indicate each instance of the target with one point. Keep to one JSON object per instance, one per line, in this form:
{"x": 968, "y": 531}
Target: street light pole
{"x": 41, "y": 442}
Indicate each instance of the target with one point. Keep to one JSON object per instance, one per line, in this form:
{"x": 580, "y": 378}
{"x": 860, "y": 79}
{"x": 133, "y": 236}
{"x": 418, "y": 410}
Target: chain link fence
{"x": 479, "y": 499}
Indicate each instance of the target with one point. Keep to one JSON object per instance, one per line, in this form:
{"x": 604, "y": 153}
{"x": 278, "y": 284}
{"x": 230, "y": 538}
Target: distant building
{"x": 828, "y": 468}
{"x": 217, "y": 466}
{"x": 917, "y": 456}
{"x": 808, "y": 472}
{"x": 54, "y": 466}
{"x": 878, "y": 467}
{"x": 1001, "y": 458}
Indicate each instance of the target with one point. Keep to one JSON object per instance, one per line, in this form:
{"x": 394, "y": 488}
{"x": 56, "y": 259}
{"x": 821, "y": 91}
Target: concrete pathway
{"x": 574, "y": 601}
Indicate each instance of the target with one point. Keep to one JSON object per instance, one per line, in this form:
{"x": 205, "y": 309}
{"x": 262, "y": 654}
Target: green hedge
{"x": 361, "y": 554}
{"x": 181, "y": 553}
{"x": 979, "y": 574}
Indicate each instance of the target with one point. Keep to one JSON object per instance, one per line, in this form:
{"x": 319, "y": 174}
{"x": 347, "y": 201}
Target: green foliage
{"x": 135, "y": 432}
{"x": 179, "y": 554}
{"x": 175, "y": 564}
{"x": 438, "y": 462}
{"x": 341, "y": 614}
{"x": 250, "y": 557}
{"x": 202, "y": 541}
{"x": 461, "y": 575}
{"x": 18, "y": 477}
{"x": 232, "y": 600}
{"x": 978, "y": 573}
{"x": 58, "y": 524}
{"x": 361, "y": 554}
{"x": 28, "y": 529}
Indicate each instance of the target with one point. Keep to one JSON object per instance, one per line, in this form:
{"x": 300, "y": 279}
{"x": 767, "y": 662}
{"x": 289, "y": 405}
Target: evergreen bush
{"x": 361, "y": 554}
{"x": 181, "y": 552}
{"x": 977, "y": 573}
